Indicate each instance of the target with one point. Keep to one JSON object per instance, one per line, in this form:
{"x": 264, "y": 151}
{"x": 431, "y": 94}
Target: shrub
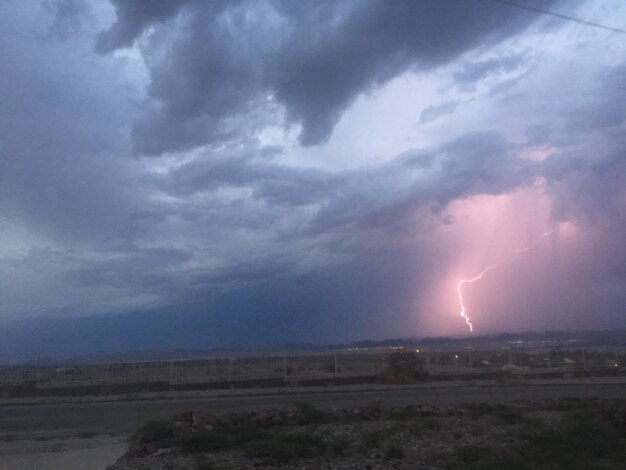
{"x": 581, "y": 441}
{"x": 505, "y": 413}
{"x": 281, "y": 449}
{"x": 152, "y": 431}
{"x": 340, "y": 445}
{"x": 205, "y": 441}
{"x": 306, "y": 439}
{"x": 308, "y": 414}
{"x": 431, "y": 424}
{"x": 473, "y": 453}
{"x": 584, "y": 440}
{"x": 223, "y": 436}
{"x": 241, "y": 433}
{"x": 394, "y": 452}
{"x": 405, "y": 413}
{"x": 372, "y": 439}
{"x": 415, "y": 429}
{"x": 568, "y": 404}
{"x": 404, "y": 368}
{"x": 478, "y": 410}
{"x": 509, "y": 415}
{"x": 276, "y": 451}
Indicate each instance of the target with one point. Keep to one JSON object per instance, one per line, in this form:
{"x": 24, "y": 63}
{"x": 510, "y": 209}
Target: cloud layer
{"x": 188, "y": 173}
{"x": 215, "y": 66}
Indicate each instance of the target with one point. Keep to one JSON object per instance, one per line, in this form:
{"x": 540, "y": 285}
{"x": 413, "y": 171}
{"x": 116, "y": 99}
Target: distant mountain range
{"x": 547, "y": 339}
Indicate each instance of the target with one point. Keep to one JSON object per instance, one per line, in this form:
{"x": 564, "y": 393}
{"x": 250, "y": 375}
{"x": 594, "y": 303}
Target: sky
{"x": 193, "y": 174}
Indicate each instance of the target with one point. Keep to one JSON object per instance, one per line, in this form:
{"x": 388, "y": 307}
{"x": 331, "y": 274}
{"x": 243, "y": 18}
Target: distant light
{"x": 418, "y": 350}
{"x": 456, "y": 356}
{"x": 616, "y": 365}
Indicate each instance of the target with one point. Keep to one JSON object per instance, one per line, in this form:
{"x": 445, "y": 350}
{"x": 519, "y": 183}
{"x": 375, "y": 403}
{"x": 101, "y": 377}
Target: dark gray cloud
{"x": 63, "y": 129}
{"x": 432, "y": 112}
{"x": 476, "y": 71}
{"x": 241, "y": 241}
{"x": 69, "y": 15}
{"x": 227, "y": 60}
{"x": 277, "y": 184}
{"x": 481, "y": 163}
{"x": 133, "y": 16}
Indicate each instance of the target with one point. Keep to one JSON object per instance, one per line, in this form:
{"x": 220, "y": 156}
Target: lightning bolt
{"x": 462, "y": 282}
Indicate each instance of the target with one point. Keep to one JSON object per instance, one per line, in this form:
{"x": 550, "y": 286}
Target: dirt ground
{"x": 90, "y": 453}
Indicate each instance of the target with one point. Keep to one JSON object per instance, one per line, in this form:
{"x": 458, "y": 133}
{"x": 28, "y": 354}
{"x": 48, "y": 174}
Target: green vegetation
{"x": 223, "y": 436}
{"x": 505, "y": 413}
{"x": 308, "y": 414}
{"x": 474, "y": 454}
{"x": 394, "y": 453}
{"x": 305, "y": 439}
{"x": 405, "y": 413}
{"x": 583, "y": 440}
{"x": 569, "y": 404}
{"x": 404, "y": 368}
{"x": 279, "y": 449}
{"x": 275, "y": 447}
{"x": 415, "y": 429}
{"x": 340, "y": 445}
{"x": 431, "y": 424}
{"x": 152, "y": 431}
{"x": 569, "y": 434}
{"x": 241, "y": 433}
{"x": 205, "y": 441}
{"x": 372, "y": 439}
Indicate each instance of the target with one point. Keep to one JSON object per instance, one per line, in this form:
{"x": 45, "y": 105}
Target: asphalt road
{"x": 48, "y": 420}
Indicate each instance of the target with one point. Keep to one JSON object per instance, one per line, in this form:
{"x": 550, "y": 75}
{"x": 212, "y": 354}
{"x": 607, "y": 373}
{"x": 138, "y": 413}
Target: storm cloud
{"x": 195, "y": 174}
{"x": 224, "y": 60}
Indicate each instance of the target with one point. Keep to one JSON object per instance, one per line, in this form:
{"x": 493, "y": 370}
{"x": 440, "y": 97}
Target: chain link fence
{"x": 297, "y": 367}
{"x": 220, "y": 370}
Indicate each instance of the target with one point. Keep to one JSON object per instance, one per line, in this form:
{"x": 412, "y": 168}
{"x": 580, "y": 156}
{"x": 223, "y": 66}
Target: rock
{"x": 182, "y": 423}
{"x": 200, "y": 419}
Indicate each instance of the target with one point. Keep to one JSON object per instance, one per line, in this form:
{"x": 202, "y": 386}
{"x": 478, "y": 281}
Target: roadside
{"x": 91, "y": 434}
{"x": 299, "y": 390}
{"x": 567, "y": 433}
{"x": 84, "y": 453}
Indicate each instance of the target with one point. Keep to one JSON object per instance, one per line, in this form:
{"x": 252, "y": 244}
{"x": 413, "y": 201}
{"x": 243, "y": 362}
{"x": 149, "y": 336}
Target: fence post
{"x": 336, "y": 368}
{"x": 549, "y": 363}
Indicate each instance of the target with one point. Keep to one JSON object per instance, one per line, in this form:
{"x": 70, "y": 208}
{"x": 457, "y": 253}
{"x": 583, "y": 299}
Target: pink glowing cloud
{"x": 522, "y": 274}
{"x": 462, "y": 282}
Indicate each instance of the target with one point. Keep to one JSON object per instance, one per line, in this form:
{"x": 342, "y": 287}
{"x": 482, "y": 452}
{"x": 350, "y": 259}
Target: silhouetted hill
{"x": 547, "y": 339}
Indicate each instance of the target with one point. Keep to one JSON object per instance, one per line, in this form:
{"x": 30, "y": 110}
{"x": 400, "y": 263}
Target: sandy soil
{"x": 93, "y": 453}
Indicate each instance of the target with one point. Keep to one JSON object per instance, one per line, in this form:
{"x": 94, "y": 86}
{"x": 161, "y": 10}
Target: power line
{"x": 558, "y": 15}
